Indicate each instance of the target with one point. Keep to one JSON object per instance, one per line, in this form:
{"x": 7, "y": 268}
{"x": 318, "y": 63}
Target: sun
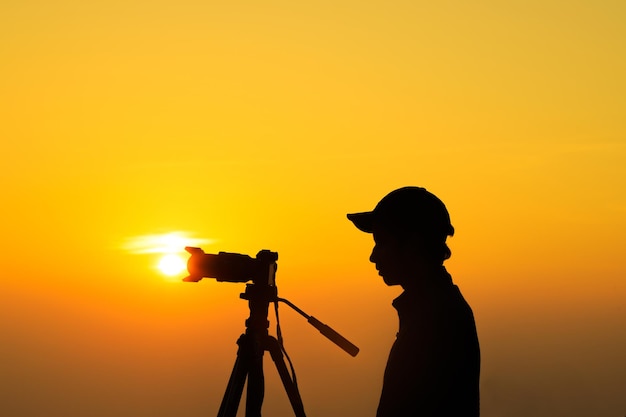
{"x": 171, "y": 264}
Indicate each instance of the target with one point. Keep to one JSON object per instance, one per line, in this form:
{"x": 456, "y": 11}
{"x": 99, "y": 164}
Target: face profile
{"x": 391, "y": 258}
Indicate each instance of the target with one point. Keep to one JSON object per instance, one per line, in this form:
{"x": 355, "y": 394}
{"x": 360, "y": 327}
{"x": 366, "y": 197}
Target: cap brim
{"x": 363, "y": 221}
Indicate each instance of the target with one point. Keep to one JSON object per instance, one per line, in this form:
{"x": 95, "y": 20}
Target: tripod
{"x": 253, "y": 344}
{"x": 249, "y": 363}
{"x": 235, "y": 267}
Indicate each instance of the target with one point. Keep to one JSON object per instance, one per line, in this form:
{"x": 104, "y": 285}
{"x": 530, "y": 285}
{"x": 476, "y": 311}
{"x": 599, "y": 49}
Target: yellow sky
{"x": 258, "y": 127}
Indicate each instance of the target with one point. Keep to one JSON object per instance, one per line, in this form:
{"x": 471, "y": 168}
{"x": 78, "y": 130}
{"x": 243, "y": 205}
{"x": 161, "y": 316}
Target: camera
{"x": 232, "y": 267}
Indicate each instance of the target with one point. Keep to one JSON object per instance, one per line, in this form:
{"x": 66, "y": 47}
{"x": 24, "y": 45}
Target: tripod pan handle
{"x": 335, "y": 337}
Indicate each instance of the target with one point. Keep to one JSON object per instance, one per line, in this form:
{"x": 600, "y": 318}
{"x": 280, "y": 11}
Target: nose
{"x": 373, "y": 255}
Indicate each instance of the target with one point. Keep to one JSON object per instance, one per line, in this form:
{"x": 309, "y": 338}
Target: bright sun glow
{"x": 172, "y": 264}
{"x": 172, "y": 260}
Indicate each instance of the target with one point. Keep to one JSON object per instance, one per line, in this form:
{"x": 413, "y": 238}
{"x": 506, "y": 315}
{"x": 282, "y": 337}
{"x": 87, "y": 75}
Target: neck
{"x": 427, "y": 277}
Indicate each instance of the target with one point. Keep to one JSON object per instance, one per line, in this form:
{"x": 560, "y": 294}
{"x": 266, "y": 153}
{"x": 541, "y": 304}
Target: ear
{"x": 412, "y": 244}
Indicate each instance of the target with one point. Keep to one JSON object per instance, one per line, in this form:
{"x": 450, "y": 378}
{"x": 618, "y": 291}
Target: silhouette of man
{"x": 434, "y": 364}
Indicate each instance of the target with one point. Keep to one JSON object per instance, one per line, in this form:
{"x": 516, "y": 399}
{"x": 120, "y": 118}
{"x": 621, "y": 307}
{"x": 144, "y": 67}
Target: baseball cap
{"x": 407, "y": 209}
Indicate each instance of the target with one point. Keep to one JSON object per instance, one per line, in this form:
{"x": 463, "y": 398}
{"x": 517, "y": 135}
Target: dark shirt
{"x": 434, "y": 364}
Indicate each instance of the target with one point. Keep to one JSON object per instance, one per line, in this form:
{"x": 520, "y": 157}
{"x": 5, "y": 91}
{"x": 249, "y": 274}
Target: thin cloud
{"x": 173, "y": 242}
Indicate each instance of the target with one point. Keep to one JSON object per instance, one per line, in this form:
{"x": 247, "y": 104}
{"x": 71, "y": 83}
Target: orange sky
{"x": 258, "y": 127}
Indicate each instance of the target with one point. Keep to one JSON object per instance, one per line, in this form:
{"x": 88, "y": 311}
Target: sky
{"x": 243, "y": 126}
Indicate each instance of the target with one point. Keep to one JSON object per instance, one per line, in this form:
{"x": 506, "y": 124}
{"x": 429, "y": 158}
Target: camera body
{"x": 232, "y": 267}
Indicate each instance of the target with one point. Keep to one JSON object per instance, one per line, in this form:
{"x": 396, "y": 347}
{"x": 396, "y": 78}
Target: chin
{"x": 390, "y": 281}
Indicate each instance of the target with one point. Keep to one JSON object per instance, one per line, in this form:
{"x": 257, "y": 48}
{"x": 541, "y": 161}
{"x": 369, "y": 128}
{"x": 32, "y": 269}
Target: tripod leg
{"x": 290, "y": 386}
{"x": 234, "y": 389}
{"x": 256, "y": 379}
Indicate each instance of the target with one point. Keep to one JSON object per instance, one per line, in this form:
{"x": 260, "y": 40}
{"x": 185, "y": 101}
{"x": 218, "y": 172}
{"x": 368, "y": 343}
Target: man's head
{"x": 410, "y": 226}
